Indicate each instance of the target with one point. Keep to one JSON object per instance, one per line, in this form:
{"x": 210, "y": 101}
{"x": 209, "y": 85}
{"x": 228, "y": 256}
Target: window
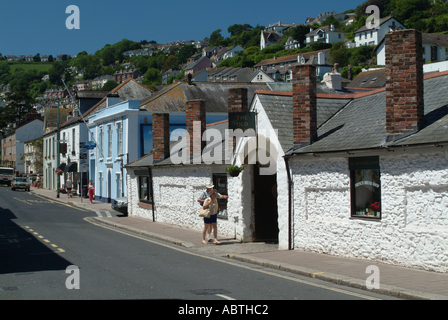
{"x": 109, "y": 134}
{"x": 118, "y": 179}
{"x": 120, "y": 138}
{"x": 73, "y": 140}
{"x": 365, "y": 187}
{"x": 220, "y": 183}
{"x": 144, "y": 188}
{"x": 100, "y": 141}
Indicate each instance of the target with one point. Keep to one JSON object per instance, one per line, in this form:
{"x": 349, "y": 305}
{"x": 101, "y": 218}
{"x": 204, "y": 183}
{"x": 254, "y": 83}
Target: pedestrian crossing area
{"x": 103, "y": 214}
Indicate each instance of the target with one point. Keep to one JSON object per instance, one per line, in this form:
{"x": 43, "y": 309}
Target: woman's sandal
{"x": 204, "y": 242}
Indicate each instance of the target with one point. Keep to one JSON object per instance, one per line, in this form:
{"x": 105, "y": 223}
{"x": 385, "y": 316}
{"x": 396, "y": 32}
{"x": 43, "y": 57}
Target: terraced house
{"x": 359, "y": 173}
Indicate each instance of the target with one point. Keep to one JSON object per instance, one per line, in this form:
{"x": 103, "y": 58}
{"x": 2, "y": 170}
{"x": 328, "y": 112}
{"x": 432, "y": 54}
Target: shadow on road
{"x": 21, "y": 251}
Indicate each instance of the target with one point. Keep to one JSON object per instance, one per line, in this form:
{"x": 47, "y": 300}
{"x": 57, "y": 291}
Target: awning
{"x": 71, "y": 167}
{"x": 62, "y": 166}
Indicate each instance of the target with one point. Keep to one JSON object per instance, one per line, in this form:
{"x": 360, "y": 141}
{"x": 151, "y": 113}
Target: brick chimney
{"x": 237, "y": 100}
{"x": 404, "y": 83}
{"x": 160, "y": 136}
{"x": 196, "y": 123}
{"x": 304, "y": 104}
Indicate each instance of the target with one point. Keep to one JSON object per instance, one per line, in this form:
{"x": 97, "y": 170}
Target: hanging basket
{"x": 234, "y": 171}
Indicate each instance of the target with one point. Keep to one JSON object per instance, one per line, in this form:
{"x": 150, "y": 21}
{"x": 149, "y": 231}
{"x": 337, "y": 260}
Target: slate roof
{"x": 278, "y": 108}
{"x": 369, "y": 79}
{"x": 148, "y": 160}
{"x": 361, "y": 124}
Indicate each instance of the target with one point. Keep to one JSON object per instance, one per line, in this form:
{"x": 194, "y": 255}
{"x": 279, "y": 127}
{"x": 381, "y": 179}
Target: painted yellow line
{"x": 45, "y": 240}
{"x": 235, "y": 264}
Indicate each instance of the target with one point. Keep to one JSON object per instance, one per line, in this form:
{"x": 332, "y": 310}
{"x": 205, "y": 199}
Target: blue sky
{"x": 38, "y": 26}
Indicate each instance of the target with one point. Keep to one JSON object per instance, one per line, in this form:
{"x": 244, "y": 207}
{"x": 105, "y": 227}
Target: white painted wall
{"x": 176, "y": 190}
{"x": 413, "y": 231}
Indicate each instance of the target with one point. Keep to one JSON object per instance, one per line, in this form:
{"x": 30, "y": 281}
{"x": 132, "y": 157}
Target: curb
{"x": 172, "y": 240}
{"x": 340, "y": 279}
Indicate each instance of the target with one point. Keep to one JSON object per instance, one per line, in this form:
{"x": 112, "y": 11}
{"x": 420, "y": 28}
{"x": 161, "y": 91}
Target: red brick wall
{"x": 304, "y": 104}
{"x": 195, "y": 111}
{"x": 404, "y": 82}
{"x": 237, "y": 100}
{"x": 161, "y": 135}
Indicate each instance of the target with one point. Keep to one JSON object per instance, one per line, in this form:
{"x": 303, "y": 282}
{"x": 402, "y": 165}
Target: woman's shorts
{"x": 212, "y": 219}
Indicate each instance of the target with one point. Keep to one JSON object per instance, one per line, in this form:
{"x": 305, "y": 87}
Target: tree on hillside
{"x": 20, "y": 103}
{"x": 109, "y": 85}
{"x": 216, "y": 39}
{"x": 297, "y": 33}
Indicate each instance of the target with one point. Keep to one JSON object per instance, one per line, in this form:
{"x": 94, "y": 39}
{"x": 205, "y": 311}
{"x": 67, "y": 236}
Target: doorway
{"x": 265, "y": 206}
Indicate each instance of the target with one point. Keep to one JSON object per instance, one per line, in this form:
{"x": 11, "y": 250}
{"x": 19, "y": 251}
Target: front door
{"x": 265, "y": 206}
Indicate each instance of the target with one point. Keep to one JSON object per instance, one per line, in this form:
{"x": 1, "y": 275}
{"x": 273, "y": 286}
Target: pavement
{"x": 397, "y": 281}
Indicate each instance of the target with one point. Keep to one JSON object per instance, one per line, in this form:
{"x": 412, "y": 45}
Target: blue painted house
{"x": 123, "y": 133}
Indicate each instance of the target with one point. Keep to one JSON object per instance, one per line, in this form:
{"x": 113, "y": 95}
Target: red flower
{"x": 375, "y": 206}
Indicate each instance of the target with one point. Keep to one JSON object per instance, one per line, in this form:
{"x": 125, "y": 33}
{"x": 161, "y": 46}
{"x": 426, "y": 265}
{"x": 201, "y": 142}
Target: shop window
{"x": 144, "y": 189}
{"x": 220, "y": 183}
{"x": 365, "y": 187}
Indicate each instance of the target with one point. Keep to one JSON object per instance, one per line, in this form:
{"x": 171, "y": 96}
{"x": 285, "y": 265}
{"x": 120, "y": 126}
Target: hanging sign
{"x": 241, "y": 120}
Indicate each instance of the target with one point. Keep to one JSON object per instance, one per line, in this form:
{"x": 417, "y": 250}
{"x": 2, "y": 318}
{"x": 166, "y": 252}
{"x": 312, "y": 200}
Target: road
{"x": 41, "y": 238}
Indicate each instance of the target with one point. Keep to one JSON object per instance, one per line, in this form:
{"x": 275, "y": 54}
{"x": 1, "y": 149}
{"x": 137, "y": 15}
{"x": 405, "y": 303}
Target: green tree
{"x": 339, "y": 53}
{"x": 216, "y": 39}
{"x": 184, "y": 53}
{"x": 109, "y": 85}
{"x": 152, "y": 77}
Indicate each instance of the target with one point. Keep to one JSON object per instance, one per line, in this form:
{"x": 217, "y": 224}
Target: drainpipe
{"x": 152, "y": 194}
{"x": 290, "y": 208}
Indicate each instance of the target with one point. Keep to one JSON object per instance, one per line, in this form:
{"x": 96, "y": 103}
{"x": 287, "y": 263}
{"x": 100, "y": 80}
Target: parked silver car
{"x": 120, "y": 205}
{"x": 20, "y": 183}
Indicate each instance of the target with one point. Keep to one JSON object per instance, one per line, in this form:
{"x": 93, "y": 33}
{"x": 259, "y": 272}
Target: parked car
{"x": 120, "y": 205}
{"x": 20, "y": 183}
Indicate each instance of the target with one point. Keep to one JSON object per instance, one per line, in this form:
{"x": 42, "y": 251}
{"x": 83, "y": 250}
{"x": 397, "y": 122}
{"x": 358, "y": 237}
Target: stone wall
{"x": 176, "y": 190}
{"x": 413, "y": 230}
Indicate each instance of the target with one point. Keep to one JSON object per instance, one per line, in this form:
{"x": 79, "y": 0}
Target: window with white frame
{"x": 120, "y": 138}
{"x": 100, "y": 140}
{"x": 100, "y": 182}
{"x": 109, "y": 140}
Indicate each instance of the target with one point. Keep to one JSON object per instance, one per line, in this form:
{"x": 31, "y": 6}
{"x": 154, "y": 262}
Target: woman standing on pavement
{"x": 91, "y": 188}
{"x": 69, "y": 186}
{"x": 211, "y": 203}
